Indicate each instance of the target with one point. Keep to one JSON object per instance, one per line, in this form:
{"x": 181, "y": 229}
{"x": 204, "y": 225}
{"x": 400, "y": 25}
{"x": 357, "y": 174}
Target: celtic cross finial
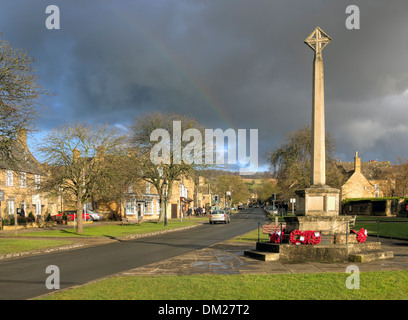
{"x": 318, "y": 40}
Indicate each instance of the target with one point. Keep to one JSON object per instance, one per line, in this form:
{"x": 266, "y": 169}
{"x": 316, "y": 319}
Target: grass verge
{"x": 390, "y": 285}
{"x": 22, "y": 245}
{"x": 111, "y": 231}
{"x": 388, "y": 226}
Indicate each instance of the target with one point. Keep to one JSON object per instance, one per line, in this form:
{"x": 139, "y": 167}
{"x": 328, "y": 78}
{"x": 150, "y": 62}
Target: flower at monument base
{"x": 305, "y": 237}
{"x": 361, "y": 235}
{"x": 276, "y": 236}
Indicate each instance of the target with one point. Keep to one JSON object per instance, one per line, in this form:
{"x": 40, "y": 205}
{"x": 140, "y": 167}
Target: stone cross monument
{"x": 318, "y": 40}
{"x": 318, "y": 206}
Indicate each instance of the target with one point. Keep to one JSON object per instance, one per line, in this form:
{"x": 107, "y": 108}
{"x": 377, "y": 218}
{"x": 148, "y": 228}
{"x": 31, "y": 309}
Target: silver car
{"x": 219, "y": 216}
{"x": 94, "y": 216}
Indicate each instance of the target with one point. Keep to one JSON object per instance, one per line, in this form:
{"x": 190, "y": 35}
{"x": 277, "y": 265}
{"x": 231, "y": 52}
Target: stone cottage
{"x": 20, "y": 182}
{"x": 366, "y": 179}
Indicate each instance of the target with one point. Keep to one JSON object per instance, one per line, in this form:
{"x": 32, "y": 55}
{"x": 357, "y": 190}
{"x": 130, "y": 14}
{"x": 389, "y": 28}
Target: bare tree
{"x": 292, "y": 162}
{"x": 121, "y": 171}
{"x": 163, "y": 174}
{"x": 79, "y": 156}
{"x": 399, "y": 175}
{"x": 19, "y": 91}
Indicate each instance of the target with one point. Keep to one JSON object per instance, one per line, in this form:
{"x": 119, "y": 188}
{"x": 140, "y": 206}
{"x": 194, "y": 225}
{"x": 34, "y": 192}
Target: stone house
{"x": 142, "y": 199}
{"x": 20, "y": 182}
{"x": 181, "y": 198}
{"x": 202, "y": 193}
{"x": 366, "y": 179}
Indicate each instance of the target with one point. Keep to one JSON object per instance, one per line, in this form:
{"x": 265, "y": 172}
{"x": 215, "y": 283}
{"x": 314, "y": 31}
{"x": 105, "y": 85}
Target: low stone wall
{"x": 370, "y": 208}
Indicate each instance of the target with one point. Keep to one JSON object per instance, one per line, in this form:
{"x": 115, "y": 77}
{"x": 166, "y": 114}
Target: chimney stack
{"x": 76, "y": 154}
{"x": 357, "y": 163}
{"x": 22, "y": 137}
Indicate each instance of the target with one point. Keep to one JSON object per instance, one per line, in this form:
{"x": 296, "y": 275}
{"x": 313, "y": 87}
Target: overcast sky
{"x": 239, "y": 64}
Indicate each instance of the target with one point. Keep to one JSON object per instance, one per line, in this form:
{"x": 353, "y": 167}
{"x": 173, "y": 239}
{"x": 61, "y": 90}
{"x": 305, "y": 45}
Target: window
{"x": 149, "y": 207}
{"x": 130, "y": 207}
{"x": 23, "y": 180}
{"x": 9, "y": 178}
{"x": 10, "y": 207}
{"x": 147, "y": 187}
{"x": 37, "y": 181}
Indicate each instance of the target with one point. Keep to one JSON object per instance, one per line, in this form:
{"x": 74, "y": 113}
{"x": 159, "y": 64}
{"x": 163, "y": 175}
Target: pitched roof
{"x": 19, "y": 159}
{"x": 373, "y": 170}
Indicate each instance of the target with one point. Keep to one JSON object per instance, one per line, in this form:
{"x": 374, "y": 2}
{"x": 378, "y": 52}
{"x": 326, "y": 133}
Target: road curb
{"x": 41, "y": 251}
{"x": 143, "y": 235}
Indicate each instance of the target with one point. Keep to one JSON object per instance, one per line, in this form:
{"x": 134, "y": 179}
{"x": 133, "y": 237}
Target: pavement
{"x": 228, "y": 258}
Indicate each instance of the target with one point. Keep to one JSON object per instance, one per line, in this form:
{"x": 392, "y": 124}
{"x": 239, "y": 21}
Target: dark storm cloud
{"x": 231, "y": 63}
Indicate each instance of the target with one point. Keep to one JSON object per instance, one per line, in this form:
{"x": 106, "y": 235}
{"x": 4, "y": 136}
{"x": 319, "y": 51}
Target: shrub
{"x": 31, "y": 217}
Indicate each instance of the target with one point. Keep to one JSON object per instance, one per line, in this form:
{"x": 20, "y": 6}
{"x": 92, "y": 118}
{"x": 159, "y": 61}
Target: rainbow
{"x": 199, "y": 87}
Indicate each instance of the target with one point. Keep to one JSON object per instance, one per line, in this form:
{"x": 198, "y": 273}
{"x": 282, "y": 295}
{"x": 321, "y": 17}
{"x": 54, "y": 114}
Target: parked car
{"x": 71, "y": 215}
{"x": 95, "y": 216}
{"x": 240, "y": 207}
{"x": 228, "y": 210}
{"x": 220, "y": 216}
{"x": 271, "y": 210}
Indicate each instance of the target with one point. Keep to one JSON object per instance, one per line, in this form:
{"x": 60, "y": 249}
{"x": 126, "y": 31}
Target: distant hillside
{"x": 213, "y": 173}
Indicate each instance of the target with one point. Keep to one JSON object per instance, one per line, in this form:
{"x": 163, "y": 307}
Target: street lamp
{"x": 165, "y": 202}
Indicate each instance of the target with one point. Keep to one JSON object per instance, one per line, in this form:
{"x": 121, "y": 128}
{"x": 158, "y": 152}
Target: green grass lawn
{"x": 27, "y": 242}
{"x": 113, "y": 230}
{"x": 251, "y": 236}
{"x": 21, "y": 245}
{"x": 388, "y": 226}
{"x": 390, "y": 285}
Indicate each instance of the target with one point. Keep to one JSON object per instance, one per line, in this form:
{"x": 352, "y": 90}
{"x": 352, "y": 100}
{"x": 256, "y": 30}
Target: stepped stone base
{"x": 260, "y": 255}
{"x": 318, "y": 210}
{"x": 290, "y": 253}
{"x": 371, "y": 256}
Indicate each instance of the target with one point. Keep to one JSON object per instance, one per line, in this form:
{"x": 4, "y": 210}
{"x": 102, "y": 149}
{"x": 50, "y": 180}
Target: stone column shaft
{"x": 318, "y": 176}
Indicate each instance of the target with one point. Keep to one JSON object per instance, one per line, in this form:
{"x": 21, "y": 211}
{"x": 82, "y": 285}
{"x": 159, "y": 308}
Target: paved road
{"x": 25, "y": 278}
